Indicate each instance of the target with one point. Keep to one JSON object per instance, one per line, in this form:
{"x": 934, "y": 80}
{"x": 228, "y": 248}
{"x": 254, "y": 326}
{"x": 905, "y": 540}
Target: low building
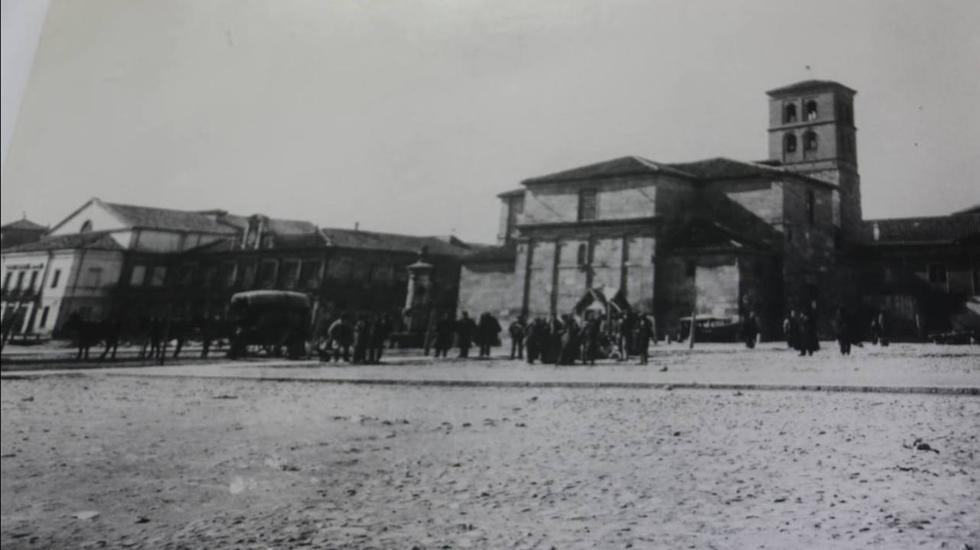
{"x": 924, "y": 273}
{"x": 108, "y": 260}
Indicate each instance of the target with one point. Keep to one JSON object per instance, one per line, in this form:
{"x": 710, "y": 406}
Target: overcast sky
{"x": 410, "y": 116}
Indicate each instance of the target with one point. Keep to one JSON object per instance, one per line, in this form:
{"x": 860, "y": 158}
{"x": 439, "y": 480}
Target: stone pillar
{"x": 418, "y": 300}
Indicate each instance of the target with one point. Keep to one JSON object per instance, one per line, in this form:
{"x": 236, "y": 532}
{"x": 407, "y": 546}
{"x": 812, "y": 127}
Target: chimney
{"x": 357, "y": 226}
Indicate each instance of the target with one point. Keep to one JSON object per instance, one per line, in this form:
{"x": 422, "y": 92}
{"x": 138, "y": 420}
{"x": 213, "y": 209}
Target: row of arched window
{"x": 790, "y": 144}
{"x": 809, "y": 112}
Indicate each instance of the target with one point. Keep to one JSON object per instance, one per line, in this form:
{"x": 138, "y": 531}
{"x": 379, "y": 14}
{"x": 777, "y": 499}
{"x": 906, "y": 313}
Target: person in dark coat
{"x": 809, "y": 342}
{"x": 552, "y": 350}
{"x": 536, "y": 339}
{"x": 569, "y": 341}
{"x": 591, "y": 335}
{"x": 842, "y": 330}
{"x": 445, "y": 329}
{"x": 517, "y": 331}
{"x": 626, "y": 329}
{"x": 488, "y": 333}
{"x": 643, "y": 335}
{"x": 380, "y": 330}
{"x": 791, "y": 330}
{"x": 465, "y": 328}
{"x": 879, "y": 329}
{"x": 750, "y": 330}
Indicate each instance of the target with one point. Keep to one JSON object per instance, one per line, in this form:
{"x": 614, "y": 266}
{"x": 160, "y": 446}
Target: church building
{"x": 717, "y": 238}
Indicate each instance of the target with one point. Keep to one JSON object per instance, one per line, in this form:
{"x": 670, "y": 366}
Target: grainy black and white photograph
{"x": 472, "y": 274}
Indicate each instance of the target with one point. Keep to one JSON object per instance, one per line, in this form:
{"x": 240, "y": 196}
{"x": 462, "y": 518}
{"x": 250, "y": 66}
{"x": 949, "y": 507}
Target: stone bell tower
{"x": 811, "y": 131}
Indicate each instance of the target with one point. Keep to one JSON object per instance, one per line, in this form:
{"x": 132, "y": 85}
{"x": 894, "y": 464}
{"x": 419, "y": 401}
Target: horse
{"x": 85, "y": 334}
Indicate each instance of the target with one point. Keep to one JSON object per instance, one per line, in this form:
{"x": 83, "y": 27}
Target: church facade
{"x": 717, "y": 238}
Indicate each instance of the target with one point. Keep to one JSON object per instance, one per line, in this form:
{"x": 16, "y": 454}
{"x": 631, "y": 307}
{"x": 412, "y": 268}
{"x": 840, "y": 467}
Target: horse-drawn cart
{"x": 270, "y": 320}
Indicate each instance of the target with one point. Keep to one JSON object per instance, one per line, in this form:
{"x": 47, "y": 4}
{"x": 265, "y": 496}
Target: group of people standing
{"x": 465, "y": 332}
{"x": 359, "y": 339}
{"x": 800, "y": 329}
{"x": 570, "y": 339}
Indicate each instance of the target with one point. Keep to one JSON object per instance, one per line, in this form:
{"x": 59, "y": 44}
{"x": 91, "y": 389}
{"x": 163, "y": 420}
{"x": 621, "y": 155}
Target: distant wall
{"x": 490, "y": 287}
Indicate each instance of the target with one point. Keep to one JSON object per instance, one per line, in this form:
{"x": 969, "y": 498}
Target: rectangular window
{"x": 210, "y": 274}
{"x": 360, "y": 271}
{"x": 158, "y": 276}
{"x": 55, "y": 278}
{"x": 937, "y": 274}
{"x": 267, "y": 274}
{"x": 44, "y": 316}
{"x": 34, "y": 275}
{"x": 93, "y": 277}
{"x": 811, "y": 206}
{"x": 514, "y": 211}
{"x": 186, "y": 275}
{"x": 340, "y": 269}
{"x": 309, "y": 276}
{"x": 383, "y": 273}
{"x": 586, "y": 204}
{"x": 20, "y": 280}
{"x": 249, "y": 271}
{"x": 6, "y": 280}
{"x": 227, "y": 274}
{"x": 289, "y": 275}
{"x": 138, "y": 276}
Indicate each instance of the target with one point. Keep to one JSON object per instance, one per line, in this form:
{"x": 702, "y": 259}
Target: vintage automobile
{"x": 270, "y": 320}
{"x": 955, "y": 337}
{"x": 710, "y": 329}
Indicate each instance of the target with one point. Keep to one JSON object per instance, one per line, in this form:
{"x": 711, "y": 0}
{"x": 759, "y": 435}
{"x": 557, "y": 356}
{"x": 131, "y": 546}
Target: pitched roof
{"x": 718, "y": 168}
{"x": 391, "y": 242}
{"x": 805, "y": 85}
{"x": 284, "y": 227}
{"x": 277, "y": 226}
{"x": 715, "y": 168}
{"x": 24, "y": 224}
{"x": 90, "y": 241}
{"x": 511, "y": 193}
{"x": 931, "y": 229}
{"x": 165, "y": 218}
{"x": 623, "y": 166}
{"x": 975, "y": 209}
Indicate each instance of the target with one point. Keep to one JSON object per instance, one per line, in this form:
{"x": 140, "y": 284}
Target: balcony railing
{"x": 19, "y": 294}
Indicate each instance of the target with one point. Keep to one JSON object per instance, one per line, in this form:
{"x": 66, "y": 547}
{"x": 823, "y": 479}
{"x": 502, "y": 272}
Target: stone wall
{"x": 490, "y": 287}
{"x": 616, "y": 199}
{"x": 540, "y": 279}
{"x": 809, "y": 255}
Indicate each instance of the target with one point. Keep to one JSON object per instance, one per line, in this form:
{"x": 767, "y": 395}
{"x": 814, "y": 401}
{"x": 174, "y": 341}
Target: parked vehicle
{"x": 711, "y": 329}
{"x": 270, "y": 320}
{"x": 955, "y": 337}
